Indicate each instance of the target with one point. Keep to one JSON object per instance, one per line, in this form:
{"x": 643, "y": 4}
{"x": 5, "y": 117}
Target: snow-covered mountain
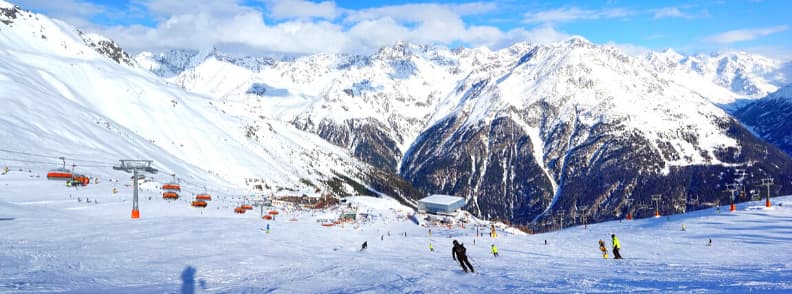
{"x": 771, "y": 118}
{"x": 67, "y": 93}
{"x": 170, "y": 63}
{"x": 578, "y": 129}
{"x": 521, "y": 132}
{"x": 722, "y": 77}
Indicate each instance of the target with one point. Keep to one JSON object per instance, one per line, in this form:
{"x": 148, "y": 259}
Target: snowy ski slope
{"x": 61, "y": 98}
{"x": 53, "y": 243}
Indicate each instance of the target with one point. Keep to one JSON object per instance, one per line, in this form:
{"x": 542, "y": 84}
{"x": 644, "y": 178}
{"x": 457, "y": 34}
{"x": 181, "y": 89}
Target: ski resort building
{"x": 440, "y": 204}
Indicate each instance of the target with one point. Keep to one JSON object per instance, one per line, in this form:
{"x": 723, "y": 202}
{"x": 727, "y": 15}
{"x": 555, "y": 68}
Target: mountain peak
{"x": 577, "y": 40}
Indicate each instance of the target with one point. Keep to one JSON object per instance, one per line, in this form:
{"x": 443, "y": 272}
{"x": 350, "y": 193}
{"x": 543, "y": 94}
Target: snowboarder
{"x": 616, "y": 247}
{"x": 684, "y": 228}
{"x": 494, "y": 250}
{"x": 458, "y": 253}
{"x": 115, "y": 190}
{"x": 603, "y": 249}
{"x": 364, "y": 246}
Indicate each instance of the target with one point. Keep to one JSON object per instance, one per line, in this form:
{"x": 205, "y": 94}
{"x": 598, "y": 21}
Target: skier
{"x": 684, "y": 228}
{"x": 365, "y": 245}
{"x": 494, "y": 250}
{"x": 616, "y": 247}
{"x": 430, "y": 247}
{"x": 267, "y": 231}
{"x": 603, "y": 249}
{"x": 458, "y": 253}
{"x": 709, "y": 243}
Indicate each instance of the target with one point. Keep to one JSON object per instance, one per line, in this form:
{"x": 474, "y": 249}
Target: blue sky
{"x": 303, "y": 27}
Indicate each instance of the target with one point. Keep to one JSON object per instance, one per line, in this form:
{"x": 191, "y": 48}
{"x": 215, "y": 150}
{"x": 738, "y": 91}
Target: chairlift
{"x": 170, "y": 195}
{"x": 267, "y": 217}
{"x": 198, "y": 203}
{"x": 204, "y": 196}
{"x": 61, "y": 173}
{"x": 240, "y": 210}
{"x": 173, "y": 185}
{"x": 247, "y": 207}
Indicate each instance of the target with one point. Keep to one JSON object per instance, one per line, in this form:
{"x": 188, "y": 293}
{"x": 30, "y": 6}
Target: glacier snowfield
{"x": 53, "y": 243}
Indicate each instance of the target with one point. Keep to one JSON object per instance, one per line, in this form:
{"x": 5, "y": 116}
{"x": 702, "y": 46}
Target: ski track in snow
{"x": 52, "y": 243}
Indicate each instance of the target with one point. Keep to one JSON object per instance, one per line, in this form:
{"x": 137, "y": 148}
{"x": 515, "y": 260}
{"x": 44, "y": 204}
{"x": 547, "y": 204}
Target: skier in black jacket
{"x": 459, "y": 253}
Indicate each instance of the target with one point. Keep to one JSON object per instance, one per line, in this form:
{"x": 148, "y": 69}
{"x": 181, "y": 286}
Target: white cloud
{"x": 316, "y": 27}
{"x": 744, "y": 34}
{"x": 292, "y": 27}
{"x": 283, "y": 9}
{"x": 567, "y": 14}
{"x": 421, "y": 12}
{"x": 678, "y": 12}
{"x": 670, "y": 12}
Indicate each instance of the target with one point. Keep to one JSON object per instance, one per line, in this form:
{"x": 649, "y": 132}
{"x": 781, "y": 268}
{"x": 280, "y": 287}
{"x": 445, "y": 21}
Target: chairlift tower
{"x": 767, "y": 182}
{"x": 560, "y": 216}
{"x": 656, "y": 198}
{"x": 135, "y": 166}
{"x": 732, "y": 188}
{"x": 740, "y": 175}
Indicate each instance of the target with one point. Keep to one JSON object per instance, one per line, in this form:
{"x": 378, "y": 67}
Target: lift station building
{"x": 440, "y": 204}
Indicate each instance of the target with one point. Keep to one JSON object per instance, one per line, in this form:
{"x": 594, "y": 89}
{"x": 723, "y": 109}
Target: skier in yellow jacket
{"x": 494, "y": 250}
{"x": 616, "y": 247}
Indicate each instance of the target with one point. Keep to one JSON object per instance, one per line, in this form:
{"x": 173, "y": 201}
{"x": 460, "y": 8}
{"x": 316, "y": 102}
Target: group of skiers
{"x": 616, "y": 246}
{"x": 459, "y": 252}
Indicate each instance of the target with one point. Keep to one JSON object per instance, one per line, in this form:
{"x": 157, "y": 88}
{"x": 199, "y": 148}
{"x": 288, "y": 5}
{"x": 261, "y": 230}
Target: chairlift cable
{"x": 53, "y": 157}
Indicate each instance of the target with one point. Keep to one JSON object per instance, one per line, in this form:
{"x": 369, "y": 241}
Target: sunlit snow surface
{"x": 53, "y": 243}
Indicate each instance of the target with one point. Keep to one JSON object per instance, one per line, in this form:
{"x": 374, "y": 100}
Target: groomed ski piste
{"x": 51, "y": 242}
